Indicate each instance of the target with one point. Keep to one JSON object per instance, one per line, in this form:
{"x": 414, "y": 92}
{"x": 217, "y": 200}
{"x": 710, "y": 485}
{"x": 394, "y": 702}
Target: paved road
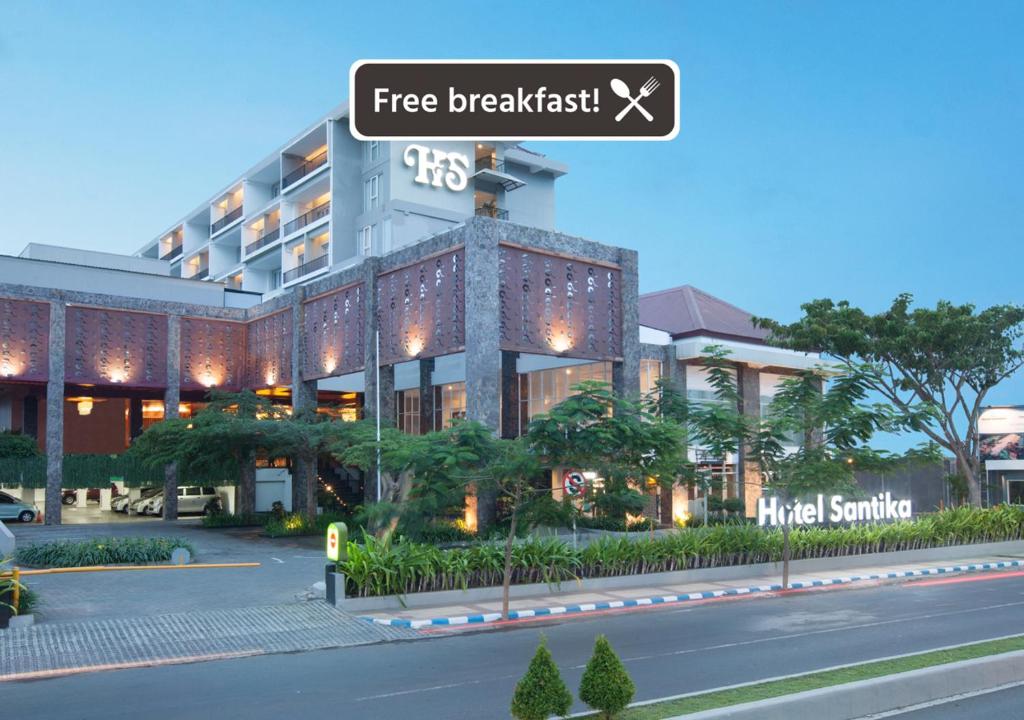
{"x": 288, "y": 567}
{"x": 1007, "y": 704}
{"x": 668, "y": 650}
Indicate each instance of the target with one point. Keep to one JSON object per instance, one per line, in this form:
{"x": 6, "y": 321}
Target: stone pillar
{"x": 426, "y": 395}
{"x": 55, "y": 415}
{"x": 105, "y": 498}
{"x": 304, "y": 464}
{"x": 674, "y": 370}
{"x": 81, "y": 498}
{"x": 134, "y": 418}
{"x": 483, "y": 353}
{"x": 626, "y": 373}
{"x": 371, "y": 267}
{"x": 749, "y": 385}
{"x": 172, "y": 396}
{"x": 509, "y": 395}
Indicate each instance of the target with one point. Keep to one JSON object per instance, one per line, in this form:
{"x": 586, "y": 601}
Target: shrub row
{"x": 398, "y": 568}
{"x": 101, "y": 551}
{"x": 298, "y": 524}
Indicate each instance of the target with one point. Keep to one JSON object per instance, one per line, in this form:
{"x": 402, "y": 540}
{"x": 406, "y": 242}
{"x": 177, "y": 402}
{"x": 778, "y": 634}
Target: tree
{"x": 934, "y": 365}
{"x": 541, "y": 693}
{"x": 812, "y": 441}
{"x": 606, "y": 686}
{"x": 220, "y": 442}
{"x": 16, "y": 445}
{"x": 616, "y": 438}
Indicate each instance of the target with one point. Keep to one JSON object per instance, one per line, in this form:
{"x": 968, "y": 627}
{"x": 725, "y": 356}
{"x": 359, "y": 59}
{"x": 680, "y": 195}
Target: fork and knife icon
{"x": 621, "y": 89}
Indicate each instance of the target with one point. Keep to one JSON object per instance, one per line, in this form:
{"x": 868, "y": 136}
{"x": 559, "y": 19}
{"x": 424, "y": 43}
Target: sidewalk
{"x": 567, "y": 601}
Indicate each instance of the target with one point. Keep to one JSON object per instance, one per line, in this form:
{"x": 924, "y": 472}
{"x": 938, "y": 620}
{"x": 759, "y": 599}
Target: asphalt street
{"x": 668, "y": 650}
{"x": 1007, "y": 704}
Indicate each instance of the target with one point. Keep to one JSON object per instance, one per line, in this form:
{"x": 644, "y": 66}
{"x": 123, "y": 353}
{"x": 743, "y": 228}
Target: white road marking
{"x": 277, "y": 560}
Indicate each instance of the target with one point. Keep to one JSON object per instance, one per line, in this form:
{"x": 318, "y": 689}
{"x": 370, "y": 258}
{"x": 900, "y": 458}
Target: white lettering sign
{"x": 880, "y": 507}
{"x": 438, "y": 167}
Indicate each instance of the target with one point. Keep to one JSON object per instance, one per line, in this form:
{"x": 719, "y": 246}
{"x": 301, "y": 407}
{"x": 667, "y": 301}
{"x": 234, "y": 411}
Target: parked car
{"x": 191, "y": 499}
{"x": 70, "y": 496}
{"x": 12, "y": 508}
{"x": 142, "y": 505}
{"x": 121, "y": 502}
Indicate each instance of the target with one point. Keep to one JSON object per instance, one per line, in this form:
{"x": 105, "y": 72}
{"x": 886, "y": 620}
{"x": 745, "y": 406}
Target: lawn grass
{"x": 816, "y": 680}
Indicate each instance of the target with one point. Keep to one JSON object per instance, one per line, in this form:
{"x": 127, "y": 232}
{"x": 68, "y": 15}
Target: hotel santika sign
{"x": 833, "y": 509}
{"x": 438, "y": 168}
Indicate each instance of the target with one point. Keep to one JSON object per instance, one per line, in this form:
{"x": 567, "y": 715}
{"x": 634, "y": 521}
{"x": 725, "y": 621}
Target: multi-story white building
{"x": 323, "y": 201}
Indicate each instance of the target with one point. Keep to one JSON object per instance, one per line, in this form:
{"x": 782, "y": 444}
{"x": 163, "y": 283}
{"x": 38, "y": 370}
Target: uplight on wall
{"x": 271, "y": 377}
{"x": 330, "y": 364}
{"x": 560, "y": 344}
{"x": 118, "y": 376}
{"x": 209, "y": 381}
{"x": 415, "y": 346}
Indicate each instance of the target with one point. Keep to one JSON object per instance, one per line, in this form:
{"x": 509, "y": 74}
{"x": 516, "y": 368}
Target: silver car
{"x": 191, "y": 499}
{"x": 12, "y": 508}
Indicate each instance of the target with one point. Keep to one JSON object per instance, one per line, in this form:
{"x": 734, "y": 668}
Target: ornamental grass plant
{"x": 100, "y": 551}
{"x": 384, "y": 567}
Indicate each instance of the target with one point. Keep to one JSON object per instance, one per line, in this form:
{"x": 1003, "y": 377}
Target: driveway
{"x": 288, "y": 567}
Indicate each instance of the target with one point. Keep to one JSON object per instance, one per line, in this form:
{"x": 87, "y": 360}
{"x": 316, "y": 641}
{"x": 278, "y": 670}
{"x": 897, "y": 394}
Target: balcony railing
{"x": 492, "y": 212}
{"x": 229, "y": 218}
{"x": 310, "y": 216}
{"x": 318, "y": 263}
{"x": 264, "y": 238}
{"x": 201, "y": 275}
{"x": 490, "y": 163}
{"x": 172, "y": 253}
{"x": 304, "y": 169}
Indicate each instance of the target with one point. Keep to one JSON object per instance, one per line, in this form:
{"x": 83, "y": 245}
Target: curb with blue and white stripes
{"x": 667, "y": 599}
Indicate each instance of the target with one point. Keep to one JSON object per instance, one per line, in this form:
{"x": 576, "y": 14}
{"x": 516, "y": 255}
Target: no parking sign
{"x": 573, "y": 483}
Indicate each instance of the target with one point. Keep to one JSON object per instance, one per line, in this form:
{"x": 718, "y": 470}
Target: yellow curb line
{"x": 118, "y": 568}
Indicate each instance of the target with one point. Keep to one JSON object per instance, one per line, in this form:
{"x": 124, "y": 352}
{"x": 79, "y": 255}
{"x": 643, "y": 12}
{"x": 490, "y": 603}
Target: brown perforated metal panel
{"x": 269, "y": 350}
{"x": 212, "y": 354}
{"x": 421, "y": 309}
{"x": 334, "y": 327}
{"x": 24, "y": 340}
{"x": 553, "y": 305}
{"x": 115, "y": 347}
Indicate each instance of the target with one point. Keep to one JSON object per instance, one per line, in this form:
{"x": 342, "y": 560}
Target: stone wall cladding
{"x": 269, "y": 350}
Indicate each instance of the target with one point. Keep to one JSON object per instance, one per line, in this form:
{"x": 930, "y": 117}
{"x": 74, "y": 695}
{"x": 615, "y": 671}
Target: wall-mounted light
{"x": 560, "y": 344}
{"x": 271, "y": 377}
{"x": 330, "y": 364}
{"x": 415, "y": 346}
{"x": 118, "y": 376}
{"x": 85, "y": 406}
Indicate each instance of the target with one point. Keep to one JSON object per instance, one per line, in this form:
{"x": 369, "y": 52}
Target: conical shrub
{"x": 606, "y": 686}
{"x": 541, "y": 693}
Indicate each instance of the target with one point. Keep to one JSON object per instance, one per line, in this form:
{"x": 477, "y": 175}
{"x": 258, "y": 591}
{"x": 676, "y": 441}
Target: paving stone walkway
{"x": 59, "y": 648}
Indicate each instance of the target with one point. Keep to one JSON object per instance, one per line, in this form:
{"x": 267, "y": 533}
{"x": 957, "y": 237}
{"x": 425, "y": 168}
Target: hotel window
{"x": 408, "y": 403}
{"x": 373, "y": 151}
{"x": 366, "y": 240}
{"x": 650, "y": 373}
{"x": 449, "y": 404}
{"x": 550, "y": 387}
{"x": 371, "y": 196}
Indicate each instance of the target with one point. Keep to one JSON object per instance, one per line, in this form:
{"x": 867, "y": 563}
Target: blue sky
{"x": 849, "y": 150}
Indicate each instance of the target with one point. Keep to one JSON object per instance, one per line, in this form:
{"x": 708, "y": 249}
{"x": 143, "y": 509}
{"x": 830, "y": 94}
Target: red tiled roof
{"x": 686, "y": 310}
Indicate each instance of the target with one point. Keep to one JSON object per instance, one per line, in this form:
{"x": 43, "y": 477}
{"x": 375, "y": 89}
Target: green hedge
{"x": 298, "y": 524}
{"x": 100, "y": 551}
{"x": 399, "y": 568}
{"x": 90, "y": 471}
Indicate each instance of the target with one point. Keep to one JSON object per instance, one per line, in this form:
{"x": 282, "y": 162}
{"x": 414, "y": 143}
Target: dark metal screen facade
{"x": 269, "y": 350}
{"x": 212, "y": 354}
{"x": 115, "y": 347}
{"x": 553, "y": 305}
{"x": 421, "y": 309}
{"x": 334, "y": 330}
{"x": 24, "y": 340}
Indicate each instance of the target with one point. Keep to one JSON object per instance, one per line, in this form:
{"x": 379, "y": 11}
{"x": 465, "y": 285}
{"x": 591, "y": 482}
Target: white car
{"x": 191, "y": 499}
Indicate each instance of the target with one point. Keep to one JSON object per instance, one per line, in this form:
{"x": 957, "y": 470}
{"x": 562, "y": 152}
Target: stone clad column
{"x": 626, "y": 374}
{"x": 674, "y": 500}
{"x": 371, "y": 267}
{"x": 483, "y": 341}
{"x": 426, "y": 395}
{"x": 749, "y": 384}
{"x": 304, "y": 402}
{"x": 172, "y": 396}
{"x": 55, "y": 415}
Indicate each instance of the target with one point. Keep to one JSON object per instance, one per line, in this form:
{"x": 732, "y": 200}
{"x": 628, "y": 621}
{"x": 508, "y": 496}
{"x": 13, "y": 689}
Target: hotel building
{"x": 334, "y": 268}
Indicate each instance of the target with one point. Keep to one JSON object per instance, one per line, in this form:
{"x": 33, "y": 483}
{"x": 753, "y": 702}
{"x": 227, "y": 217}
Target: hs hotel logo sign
{"x": 438, "y": 168}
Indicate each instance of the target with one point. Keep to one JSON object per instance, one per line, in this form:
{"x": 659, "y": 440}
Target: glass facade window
{"x": 408, "y": 404}
{"x": 547, "y": 388}
{"x": 650, "y": 373}
{"x": 371, "y": 195}
{"x": 449, "y": 404}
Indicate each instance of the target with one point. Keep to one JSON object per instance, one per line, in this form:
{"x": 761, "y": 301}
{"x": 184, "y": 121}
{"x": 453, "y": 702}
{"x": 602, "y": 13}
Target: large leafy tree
{"x": 935, "y": 365}
{"x": 813, "y": 441}
{"x": 617, "y": 438}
